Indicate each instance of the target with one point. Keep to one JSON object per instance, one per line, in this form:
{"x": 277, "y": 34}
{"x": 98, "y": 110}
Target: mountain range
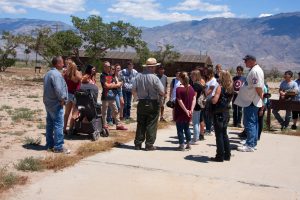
{"x": 274, "y": 40}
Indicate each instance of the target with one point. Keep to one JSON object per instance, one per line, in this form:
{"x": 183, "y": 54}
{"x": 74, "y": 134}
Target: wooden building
{"x": 183, "y": 63}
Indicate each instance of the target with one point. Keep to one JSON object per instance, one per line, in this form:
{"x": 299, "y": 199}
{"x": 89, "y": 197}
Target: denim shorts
{"x": 71, "y": 98}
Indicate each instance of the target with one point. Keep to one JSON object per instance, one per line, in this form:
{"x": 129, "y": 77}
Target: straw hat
{"x": 151, "y": 62}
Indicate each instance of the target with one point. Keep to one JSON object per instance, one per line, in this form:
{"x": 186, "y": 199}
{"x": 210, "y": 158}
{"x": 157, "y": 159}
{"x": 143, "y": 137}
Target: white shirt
{"x": 247, "y": 93}
{"x": 212, "y": 82}
{"x": 176, "y": 85}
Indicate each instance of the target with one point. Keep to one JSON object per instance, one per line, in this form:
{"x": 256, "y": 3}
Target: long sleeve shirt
{"x": 55, "y": 89}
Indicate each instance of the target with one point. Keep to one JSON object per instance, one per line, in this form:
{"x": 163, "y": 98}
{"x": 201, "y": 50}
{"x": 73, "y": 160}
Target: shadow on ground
{"x": 34, "y": 147}
{"x": 202, "y": 159}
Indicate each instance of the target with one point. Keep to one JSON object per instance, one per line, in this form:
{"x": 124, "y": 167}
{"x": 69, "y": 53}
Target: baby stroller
{"x": 89, "y": 119}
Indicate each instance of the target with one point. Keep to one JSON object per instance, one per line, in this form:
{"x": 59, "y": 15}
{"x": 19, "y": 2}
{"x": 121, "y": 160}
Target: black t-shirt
{"x": 107, "y": 94}
{"x": 199, "y": 89}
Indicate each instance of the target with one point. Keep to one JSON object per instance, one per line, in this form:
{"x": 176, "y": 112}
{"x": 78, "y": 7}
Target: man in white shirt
{"x": 250, "y": 97}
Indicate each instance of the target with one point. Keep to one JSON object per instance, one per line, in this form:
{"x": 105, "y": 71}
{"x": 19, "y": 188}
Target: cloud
{"x": 12, "y": 10}
{"x": 150, "y": 10}
{"x": 265, "y": 15}
{"x": 94, "y": 12}
{"x": 52, "y": 6}
{"x": 188, "y": 5}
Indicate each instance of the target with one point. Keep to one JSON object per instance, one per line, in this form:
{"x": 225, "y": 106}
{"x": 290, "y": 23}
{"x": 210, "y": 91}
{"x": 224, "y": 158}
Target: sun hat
{"x": 151, "y": 62}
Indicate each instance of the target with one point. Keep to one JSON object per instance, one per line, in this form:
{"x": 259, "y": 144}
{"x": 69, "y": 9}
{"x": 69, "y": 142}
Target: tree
{"x": 99, "y": 36}
{"x": 143, "y": 52}
{"x": 166, "y": 54}
{"x": 8, "y": 51}
{"x": 48, "y": 45}
{"x": 27, "y": 52}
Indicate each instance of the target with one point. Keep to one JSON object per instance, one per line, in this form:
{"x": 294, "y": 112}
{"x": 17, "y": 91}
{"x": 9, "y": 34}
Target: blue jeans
{"x": 54, "y": 128}
{"x": 251, "y": 125}
{"x": 127, "y": 95}
{"x": 207, "y": 120}
{"x": 183, "y": 127}
{"x": 196, "y": 125}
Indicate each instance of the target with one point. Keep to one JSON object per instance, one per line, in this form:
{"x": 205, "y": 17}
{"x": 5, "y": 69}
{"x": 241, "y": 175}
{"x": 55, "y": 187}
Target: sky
{"x": 144, "y": 13}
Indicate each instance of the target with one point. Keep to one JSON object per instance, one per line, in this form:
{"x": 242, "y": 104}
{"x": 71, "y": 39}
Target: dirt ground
{"x": 21, "y": 96}
{"x": 21, "y": 93}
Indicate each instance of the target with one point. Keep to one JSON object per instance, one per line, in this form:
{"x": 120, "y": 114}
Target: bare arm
{"x": 215, "y": 98}
{"x": 260, "y": 92}
{"x": 210, "y": 90}
{"x": 193, "y": 104}
{"x": 171, "y": 89}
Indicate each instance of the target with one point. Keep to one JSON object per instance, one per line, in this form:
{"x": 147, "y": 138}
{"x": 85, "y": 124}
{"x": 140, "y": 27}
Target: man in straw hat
{"x": 148, "y": 89}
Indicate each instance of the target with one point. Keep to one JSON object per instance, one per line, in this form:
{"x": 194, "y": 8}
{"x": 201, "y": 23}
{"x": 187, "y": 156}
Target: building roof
{"x": 132, "y": 55}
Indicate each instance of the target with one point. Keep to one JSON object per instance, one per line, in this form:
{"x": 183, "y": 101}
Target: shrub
{"x": 32, "y": 141}
{"x": 29, "y": 164}
{"x": 9, "y": 179}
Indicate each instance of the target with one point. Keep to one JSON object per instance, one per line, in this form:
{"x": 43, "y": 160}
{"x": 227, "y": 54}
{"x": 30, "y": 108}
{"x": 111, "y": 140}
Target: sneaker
{"x": 110, "y": 123}
{"x": 188, "y": 147}
{"x": 243, "y": 142}
{"x": 208, "y": 133}
{"x": 63, "y": 150}
{"x": 283, "y": 127}
{"x": 121, "y": 127}
{"x": 245, "y": 148}
{"x": 105, "y": 126}
{"x": 294, "y": 127}
{"x": 181, "y": 147}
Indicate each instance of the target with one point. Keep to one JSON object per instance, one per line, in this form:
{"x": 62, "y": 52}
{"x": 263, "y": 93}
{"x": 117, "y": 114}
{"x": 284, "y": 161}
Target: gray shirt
{"x": 148, "y": 86}
{"x": 289, "y": 86}
{"x": 55, "y": 89}
{"x": 164, "y": 81}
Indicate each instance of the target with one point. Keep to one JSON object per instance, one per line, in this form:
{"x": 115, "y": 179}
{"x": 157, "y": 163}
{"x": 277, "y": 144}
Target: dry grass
{"x": 61, "y": 161}
{"x": 288, "y": 132}
{"x": 10, "y": 179}
{"x": 58, "y": 162}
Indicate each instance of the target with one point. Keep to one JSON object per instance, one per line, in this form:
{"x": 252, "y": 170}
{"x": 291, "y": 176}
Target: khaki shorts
{"x": 162, "y": 101}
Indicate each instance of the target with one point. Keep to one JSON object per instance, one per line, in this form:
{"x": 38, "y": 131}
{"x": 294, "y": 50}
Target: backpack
{"x": 201, "y": 101}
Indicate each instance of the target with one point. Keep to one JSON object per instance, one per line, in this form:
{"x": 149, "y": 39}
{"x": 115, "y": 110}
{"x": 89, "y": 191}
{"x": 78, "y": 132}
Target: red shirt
{"x": 72, "y": 86}
{"x": 187, "y": 96}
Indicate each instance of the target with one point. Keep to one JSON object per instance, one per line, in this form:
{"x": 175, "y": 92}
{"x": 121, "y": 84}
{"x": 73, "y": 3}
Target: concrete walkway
{"x": 272, "y": 172}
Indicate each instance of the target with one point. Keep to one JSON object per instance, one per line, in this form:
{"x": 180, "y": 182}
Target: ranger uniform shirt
{"x": 148, "y": 86}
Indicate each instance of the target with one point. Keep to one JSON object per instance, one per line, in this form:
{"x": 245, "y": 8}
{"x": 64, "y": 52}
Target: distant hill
{"x": 21, "y": 26}
{"x": 274, "y": 40}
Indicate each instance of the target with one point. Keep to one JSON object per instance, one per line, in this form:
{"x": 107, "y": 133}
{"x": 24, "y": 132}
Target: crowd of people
{"x": 202, "y": 97}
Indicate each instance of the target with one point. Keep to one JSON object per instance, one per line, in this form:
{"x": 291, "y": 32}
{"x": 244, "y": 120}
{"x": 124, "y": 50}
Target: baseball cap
{"x": 249, "y": 57}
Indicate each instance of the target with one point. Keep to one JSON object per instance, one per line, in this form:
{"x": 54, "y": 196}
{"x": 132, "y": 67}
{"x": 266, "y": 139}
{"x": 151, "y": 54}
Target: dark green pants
{"x": 147, "y": 119}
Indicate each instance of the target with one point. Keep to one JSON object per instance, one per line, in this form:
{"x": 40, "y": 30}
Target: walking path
{"x": 272, "y": 172}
